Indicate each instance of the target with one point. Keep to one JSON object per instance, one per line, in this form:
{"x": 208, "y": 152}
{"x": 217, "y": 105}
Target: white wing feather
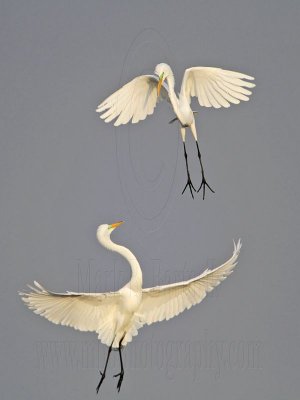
{"x": 134, "y": 101}
{"x": 216, "y": 87}
{"x": 82, "y": 311}
{"x": 165, "y": 302}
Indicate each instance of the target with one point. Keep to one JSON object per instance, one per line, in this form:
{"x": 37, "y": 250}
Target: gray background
{"x": 63, "y": 172}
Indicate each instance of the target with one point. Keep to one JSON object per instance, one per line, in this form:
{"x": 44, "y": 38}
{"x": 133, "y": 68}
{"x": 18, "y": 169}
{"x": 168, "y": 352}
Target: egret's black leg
{"x": 203, "y": 183}
{"x": 121, "y": 373}
{"x": 189, "y": 182}
{"x": 104, "y": 371}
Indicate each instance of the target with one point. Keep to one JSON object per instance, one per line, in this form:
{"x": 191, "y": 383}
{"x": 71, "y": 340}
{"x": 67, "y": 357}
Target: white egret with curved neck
{"x": 214, "y": 87}
{"x": 117, "y": 316}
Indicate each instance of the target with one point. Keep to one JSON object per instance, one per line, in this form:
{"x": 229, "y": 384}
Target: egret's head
{"x": 104, "y": 231}
{"x": 162, "y": 71}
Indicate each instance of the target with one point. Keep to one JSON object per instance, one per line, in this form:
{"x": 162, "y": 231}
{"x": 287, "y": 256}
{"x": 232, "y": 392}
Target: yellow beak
{"x": 115, "y": 225}
{"x": 160, "y": 82}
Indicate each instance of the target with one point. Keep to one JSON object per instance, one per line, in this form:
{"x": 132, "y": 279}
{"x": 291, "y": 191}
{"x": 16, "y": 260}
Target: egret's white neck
{"x": 171, "y": 85}
{"x": 136, "y": 272}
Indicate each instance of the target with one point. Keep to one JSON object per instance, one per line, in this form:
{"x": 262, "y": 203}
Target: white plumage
{"x": 134, "y": 101}
{"x": 213, "y": 87}
{"x": 115, "y": 314}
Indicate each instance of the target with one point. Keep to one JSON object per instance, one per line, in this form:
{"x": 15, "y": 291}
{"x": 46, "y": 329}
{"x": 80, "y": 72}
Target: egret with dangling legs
{"x": 214, "y": 87}
{"x": 117, "y": 316}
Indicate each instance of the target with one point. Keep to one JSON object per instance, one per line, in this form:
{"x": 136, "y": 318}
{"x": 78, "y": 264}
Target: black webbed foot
{"x": 121, "y": 375}
{"x": 203, "y": 185}
{"x": 190, "y": 185}
{"x": 101, "y": 380}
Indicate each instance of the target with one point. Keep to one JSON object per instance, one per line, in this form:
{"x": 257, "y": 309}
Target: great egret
{"x": 214, "y": 87}
{"x": 117, "y": 316}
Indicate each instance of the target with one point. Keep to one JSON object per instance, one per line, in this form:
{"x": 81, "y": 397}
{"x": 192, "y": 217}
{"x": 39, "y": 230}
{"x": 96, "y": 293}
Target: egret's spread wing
{"x": 216, "y": 87}
{"x": 82, "y": 311}
{"x": 165, "y": 302}
{"x": 134, "y": 101}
